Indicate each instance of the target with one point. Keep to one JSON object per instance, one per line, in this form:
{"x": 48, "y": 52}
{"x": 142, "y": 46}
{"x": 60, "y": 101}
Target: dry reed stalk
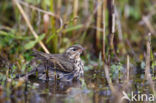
{"x": 29, "y": 25}
{"x": 75, "y": 10}
{"x": 147, "y": 67}
{"x": 127, "y": 77}
{"x": 86, "y": 25}
{"x": 121, "y": 42}
{"x": 111, "y": 24}
{"x": 59, "y": 4}
{"x": 106, "y": 68}
{"x": 118, "y": 23}
{"x": 54, "y": 40}
{"x": 98, "y": 23}
{"x": 126, "y": 83}
{"x": 104, "y": 29}
{"x": 113, "y": 27}
{"x": 43, "y": 11}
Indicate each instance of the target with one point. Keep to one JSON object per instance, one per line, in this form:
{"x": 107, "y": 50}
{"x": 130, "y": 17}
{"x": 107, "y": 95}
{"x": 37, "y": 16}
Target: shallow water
{"x": 93, "y": 88}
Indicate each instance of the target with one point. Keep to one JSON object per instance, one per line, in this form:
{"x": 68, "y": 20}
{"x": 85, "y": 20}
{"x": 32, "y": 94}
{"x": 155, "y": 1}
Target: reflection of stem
{"x": 29, "y": 25}
{"x": 25, "y": 92}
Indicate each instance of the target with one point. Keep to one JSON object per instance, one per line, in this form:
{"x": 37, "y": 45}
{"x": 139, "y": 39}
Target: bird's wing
{"x": 57, "y": 60}
{"x": 64, "y": 65}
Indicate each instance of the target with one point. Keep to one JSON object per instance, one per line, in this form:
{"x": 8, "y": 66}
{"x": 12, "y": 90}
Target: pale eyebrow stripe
{"x": 69, "y": 49}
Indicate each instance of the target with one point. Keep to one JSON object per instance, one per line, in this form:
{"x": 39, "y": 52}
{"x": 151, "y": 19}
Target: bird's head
{"x": 74, "y": 52}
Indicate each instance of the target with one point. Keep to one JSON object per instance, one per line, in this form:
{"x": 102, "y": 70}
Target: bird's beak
{"x": 81, "y": 50}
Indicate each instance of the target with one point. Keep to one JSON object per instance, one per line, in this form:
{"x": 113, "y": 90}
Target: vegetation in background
{"x": 115, "y": 33}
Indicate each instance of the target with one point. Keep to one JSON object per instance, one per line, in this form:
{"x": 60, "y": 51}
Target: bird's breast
{"x": 79, "y": 68}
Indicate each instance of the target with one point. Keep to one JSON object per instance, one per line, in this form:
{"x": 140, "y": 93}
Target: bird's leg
{"x": 47, "y": 71}
{"x": 55, "y": 78}
{"x": 54, "y": 62}
{"x": 36, "y": 71}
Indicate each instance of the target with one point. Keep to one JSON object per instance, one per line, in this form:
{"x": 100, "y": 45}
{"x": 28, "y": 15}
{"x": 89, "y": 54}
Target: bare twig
{"x": 29, "y": 25}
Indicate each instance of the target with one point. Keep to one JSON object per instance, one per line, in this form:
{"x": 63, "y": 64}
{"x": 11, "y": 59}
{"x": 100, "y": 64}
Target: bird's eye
{"x": 74, "y": 49}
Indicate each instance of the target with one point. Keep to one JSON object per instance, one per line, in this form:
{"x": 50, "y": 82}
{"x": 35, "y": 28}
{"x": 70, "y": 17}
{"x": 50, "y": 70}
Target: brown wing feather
{"x": 59, "y": 62}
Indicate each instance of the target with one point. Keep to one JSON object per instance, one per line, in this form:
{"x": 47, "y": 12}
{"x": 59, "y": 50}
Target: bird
{"x": 66, "y": 66}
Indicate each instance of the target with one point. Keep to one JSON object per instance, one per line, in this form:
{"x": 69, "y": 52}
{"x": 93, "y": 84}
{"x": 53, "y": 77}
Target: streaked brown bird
{"x": 65, "y": 67}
